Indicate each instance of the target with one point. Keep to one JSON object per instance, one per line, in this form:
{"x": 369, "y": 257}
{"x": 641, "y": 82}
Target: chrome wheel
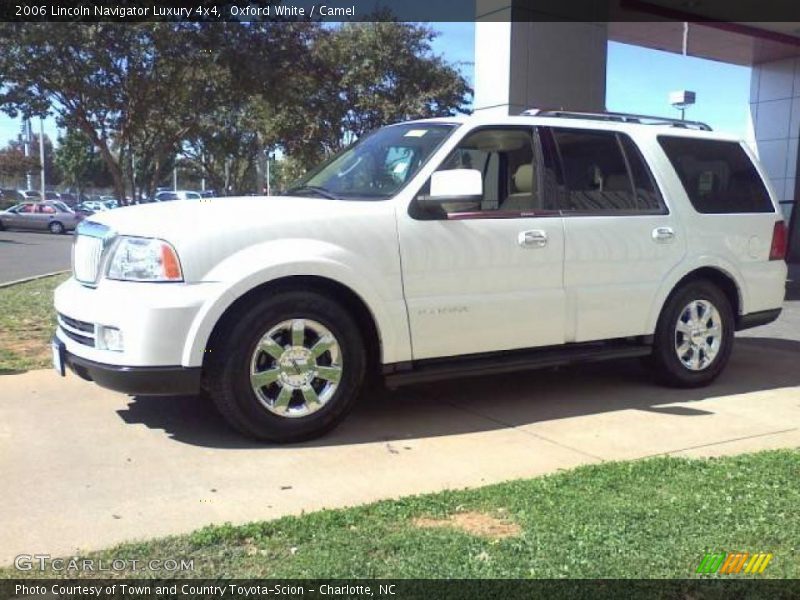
{"x": 296, "y": 368}
{"x": 698, "y": 335}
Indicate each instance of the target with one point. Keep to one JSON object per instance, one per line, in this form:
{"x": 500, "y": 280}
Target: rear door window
{"x": 603, "y": 173}
{"x": 718, "y": 176}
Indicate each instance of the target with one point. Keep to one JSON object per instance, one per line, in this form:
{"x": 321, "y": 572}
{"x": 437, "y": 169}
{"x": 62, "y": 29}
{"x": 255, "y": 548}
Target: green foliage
{"x": 362, "y": 76}
{"x": 79, "y": 162}
{"x": 223, "y": 95}
{"x": 14, "y": 164}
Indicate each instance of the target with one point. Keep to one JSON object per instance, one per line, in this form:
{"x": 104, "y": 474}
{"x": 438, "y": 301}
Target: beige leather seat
{"x": 521, "y": 199}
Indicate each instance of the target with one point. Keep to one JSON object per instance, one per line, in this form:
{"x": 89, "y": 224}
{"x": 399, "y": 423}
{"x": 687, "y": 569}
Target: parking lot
{"x": 26, "y": 254}
{"x": 84, "y": 468}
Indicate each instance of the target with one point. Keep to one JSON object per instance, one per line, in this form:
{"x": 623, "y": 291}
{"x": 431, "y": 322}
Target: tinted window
{"x": 648, "y": 196}
{"x": 718, "y": 176}
{"x": 596, "y": 175}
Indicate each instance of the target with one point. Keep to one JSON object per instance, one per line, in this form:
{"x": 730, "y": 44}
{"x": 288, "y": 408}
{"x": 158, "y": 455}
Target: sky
{"x": 638, "y": 80}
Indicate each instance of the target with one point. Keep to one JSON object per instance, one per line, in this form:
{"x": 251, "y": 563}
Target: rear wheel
{"x": 289, "y": 369}
{"x": 56, "y": 227}
{"x": 694, "y": 336}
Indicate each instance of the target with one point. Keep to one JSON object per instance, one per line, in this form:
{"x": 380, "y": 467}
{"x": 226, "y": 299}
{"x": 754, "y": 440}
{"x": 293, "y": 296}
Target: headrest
{"x": 523, "y": 178}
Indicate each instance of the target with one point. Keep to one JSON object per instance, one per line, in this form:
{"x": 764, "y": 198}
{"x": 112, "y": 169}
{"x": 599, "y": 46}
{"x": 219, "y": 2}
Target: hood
{"x": 179, "y": 221}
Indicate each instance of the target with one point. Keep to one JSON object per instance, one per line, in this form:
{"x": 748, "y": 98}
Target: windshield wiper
{"x": 313, "y": 189}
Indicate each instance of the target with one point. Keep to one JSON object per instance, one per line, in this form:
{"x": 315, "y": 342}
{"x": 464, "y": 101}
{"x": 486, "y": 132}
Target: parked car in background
{"x": 30, "y": 194}
{"x": 93, "y": 205}
{"x": 9, "y": 197}
{"x": 110, "y": 201}
{"x": 208, "y": 194}
{"x": 69, "y": 199}
{"x": 83, "y": 210}
{"x": 54, "y": 216}
{"x": 177, "y": 195}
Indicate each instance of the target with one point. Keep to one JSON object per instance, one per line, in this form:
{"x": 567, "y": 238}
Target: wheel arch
{"x": 350, "y": 300}
{"x": 719, "y": 276}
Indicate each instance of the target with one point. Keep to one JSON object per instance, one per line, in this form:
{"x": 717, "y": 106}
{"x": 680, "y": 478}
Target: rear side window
{"x": 604, "y": 172}
{"x": 718, "y": 176}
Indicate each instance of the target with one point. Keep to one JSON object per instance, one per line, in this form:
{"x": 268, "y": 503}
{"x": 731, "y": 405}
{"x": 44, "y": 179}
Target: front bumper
{"x": 154, "y": 320}
{"x": 144, "y": 381}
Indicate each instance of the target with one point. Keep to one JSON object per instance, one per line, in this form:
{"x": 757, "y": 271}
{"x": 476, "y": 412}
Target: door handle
{"x": 535, "y": 238}
{"x": 663, "y": 234}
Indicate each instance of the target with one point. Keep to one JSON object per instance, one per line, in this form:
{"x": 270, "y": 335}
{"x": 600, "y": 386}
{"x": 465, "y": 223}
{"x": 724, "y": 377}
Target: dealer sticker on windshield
{"x": 416, "y": 133}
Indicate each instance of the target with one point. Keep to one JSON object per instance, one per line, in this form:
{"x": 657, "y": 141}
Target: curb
{"x": 34, "y": 278}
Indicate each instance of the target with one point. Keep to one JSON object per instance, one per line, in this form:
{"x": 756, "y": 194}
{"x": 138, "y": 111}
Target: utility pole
{"x": 27, "y": 138}
{"x": 203, "y": 166}
{"x": 175, "y": 179}
{"x": 269, "y": 188}
{"x": 41, "y": 153}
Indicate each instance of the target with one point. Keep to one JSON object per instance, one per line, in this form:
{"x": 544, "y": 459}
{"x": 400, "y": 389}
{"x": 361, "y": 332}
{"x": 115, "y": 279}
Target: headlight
{"x": 144, "y": 259}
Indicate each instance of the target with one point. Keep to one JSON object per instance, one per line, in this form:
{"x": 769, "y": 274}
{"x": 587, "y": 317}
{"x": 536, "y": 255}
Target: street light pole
{"x": 41, "y": 153}
{"x": 269, "y": 189}
{"x": 27, "y": 136}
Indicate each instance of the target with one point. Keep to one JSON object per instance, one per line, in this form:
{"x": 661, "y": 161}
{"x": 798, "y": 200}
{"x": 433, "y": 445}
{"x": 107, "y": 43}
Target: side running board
{"x": 422, "y": 371}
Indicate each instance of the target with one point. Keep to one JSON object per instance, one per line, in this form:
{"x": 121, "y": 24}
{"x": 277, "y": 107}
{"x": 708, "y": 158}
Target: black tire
{"x": 56, "y": 227}
{"x": 227, "y": 376}
{"x": 668, "y": 367}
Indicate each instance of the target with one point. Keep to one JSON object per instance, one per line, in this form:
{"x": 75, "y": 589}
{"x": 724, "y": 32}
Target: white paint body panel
{"x": 434, "y": 288}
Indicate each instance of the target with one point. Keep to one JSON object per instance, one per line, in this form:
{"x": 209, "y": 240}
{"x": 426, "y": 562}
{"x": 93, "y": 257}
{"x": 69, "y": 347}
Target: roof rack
{"x": 617, "y": 117}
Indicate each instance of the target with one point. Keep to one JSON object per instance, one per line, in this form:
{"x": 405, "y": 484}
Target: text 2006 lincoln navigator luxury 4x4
{"x": 437, "y": 248}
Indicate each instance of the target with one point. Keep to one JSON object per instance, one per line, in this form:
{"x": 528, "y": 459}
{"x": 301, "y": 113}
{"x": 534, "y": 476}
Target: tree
{"x": 14, "y": 165}
{"x": 363, "y": 76}
{"x": 79, "y": 162}
{"x": 130, "y": 89}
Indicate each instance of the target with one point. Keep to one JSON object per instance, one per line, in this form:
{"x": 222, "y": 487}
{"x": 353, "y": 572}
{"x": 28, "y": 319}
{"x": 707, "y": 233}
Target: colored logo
{"x": 732, "y": 563}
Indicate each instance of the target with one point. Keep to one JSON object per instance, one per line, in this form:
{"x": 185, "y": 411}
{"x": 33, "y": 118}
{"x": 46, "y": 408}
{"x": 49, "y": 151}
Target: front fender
{"x": 375, "y": 279}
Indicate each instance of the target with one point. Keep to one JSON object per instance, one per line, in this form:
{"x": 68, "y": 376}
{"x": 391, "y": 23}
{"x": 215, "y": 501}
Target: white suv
{"x": 436, "y": 248}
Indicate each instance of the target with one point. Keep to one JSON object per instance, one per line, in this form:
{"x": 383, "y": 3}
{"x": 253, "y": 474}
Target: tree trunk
{"x": 108, "y": 158}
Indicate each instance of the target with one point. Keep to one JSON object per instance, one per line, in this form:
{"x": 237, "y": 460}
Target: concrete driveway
{"x": 83, "y": 468}
{"x": 29, "y": 253}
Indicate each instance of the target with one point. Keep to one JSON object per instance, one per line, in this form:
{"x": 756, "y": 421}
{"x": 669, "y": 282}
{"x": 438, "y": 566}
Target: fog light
{"x": 109, "y": 338}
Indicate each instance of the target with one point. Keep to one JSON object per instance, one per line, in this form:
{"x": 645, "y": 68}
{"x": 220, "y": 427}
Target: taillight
{"x": 777, "y": 250}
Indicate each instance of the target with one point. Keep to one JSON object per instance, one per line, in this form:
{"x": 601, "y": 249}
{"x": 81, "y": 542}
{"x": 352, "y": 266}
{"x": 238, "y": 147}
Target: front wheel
{"x": 289, "y": 369}
{"x": 56, "y": 227}
{"x": 694, "y": 336}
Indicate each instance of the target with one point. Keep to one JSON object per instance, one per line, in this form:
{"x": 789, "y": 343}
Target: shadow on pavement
{"x": 494, "y": 402}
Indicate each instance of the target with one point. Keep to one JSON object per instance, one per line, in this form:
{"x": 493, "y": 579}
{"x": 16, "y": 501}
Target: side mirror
{"x": 454, "y": 190}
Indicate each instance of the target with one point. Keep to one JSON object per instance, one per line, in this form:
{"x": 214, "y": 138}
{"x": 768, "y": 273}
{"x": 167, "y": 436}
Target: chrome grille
{"x": 91, "y": 240}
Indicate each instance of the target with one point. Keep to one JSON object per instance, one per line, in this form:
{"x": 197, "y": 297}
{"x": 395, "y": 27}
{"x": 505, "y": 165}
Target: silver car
{"x": 54, "y": 216}
{"x": 165, "y": 196}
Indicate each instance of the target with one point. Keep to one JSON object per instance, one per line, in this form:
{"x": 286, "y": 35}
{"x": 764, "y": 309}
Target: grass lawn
{"x": 653, "y": 518}
{"x": 27, "y": 322}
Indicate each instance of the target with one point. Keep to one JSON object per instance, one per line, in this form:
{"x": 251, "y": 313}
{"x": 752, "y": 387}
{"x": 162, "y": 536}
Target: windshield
{"x": 378, "y": 165}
